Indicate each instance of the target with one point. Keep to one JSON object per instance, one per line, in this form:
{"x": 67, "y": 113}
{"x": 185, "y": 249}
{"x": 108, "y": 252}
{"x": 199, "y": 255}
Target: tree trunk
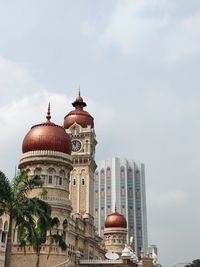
{"x": 38, "y": 260}
{"x": 9, "y": 244}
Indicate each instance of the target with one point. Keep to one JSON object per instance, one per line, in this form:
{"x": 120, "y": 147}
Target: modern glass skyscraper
{"x": 120, "y": 183}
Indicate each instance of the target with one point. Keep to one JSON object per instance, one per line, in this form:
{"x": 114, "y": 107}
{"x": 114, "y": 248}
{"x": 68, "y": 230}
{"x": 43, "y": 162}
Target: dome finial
{"x": 48, "y": 117}
{"x": 79, "y": 103}
{"x": 115, "y": 207}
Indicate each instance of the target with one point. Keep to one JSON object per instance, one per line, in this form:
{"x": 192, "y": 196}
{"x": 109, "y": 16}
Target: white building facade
{"x": 120, "y": 183}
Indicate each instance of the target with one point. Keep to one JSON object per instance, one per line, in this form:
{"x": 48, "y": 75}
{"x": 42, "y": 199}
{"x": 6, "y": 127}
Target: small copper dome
{"x": 78, "y": 115}
{"x": 79, "y": 98}
{"x": 115, "y": 220}
{"x": 47, "y": 136}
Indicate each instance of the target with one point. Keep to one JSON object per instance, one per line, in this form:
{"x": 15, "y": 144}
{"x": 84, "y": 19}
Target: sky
{"x": 137, "y": 64}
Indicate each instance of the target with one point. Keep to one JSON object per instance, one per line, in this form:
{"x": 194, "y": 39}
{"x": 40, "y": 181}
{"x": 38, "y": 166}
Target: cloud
{"x": 21, "y": 108}
{"x": 23, "y": 103}
{"x": 15, "y": 81}
{"x": 140, "y": 61}
{"x": 183, "y": 38}
{"x": 88, "y": 28}
{"x": 170, "y": 199}
{"x": 17, "y": 118}
{"x": 152, "y": 29}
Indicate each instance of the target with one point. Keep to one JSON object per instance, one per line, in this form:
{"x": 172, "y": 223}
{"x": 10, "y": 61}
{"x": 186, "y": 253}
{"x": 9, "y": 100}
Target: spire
{"x": 79, "y": 91}
{"x": 115, "y": 207}
{"x": 48, "y": 117}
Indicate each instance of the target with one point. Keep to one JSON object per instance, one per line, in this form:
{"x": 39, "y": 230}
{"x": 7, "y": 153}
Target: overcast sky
{"x": 137, "y": 63}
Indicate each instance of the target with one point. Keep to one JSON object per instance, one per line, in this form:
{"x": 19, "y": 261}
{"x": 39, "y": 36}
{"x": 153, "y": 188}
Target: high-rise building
{"x": 120, "y": 184}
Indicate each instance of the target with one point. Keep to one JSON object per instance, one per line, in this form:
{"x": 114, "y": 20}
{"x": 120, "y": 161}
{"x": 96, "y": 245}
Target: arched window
{"x": 50, "y": 179}
{"x": 96, "y": 194}
{"x": 130, "y": 173}
{"x": 61, "y": 177}
{"x": 96, "y": 176}
{"x": 108, "y": 172}
{"x": 55, "y": 225}
{"x": 60, "y": 180}
{"x": 3, "y": 237}
{"x": 51, "y": 173}
{"x": 65, "y": 224}
{"x": 102, "y": 174}
{"x": 37, "y": 171}
{"x": 1, "y": 228}
{"x": 86, "y": 146}
{"x": 102, "y": 193}
{"x": 96, "y": 213}
{"x": 4, "y": 233}
{"x": 6, "y": 226}
{"x": 82, "y": 177}
{"x": 122, "y": 172}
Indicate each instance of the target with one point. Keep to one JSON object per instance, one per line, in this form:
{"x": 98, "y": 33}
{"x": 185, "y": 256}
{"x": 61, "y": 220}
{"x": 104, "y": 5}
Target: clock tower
{"x": 79, "y": 124}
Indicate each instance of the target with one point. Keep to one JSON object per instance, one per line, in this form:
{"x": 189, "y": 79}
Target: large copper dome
{"x": 115, "y": 220}
{"x": 47, "y": 136}
{"x": 78, "y": 115}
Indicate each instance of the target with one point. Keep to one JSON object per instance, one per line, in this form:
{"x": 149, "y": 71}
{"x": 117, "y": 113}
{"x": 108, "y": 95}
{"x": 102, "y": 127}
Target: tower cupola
{"x": 115, "y": 232}
{"x": 78, "y": 115}
{"x": 115, "y": 220}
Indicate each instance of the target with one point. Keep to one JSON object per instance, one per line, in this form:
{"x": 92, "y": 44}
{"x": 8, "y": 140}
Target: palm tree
{"x": 34, "y": 235}
{"x": 195, "y": 263}
{"x": 37, "y": 235}
{"x": 22, "y": 210}
{"x": 54, "y": 236}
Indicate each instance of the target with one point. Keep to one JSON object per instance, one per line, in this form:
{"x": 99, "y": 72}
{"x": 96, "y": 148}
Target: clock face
{"x": 76, "y": 145}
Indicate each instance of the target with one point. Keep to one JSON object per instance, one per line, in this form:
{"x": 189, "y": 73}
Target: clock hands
{"x": 76, "y": 145}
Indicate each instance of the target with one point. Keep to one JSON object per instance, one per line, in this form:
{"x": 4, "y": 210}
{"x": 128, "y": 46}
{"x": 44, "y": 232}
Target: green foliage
{"x": 34, "y": 234}
{"x": 195, "y": 263}
{"x": 32, "y": 216}
{"x": 5, "y": 192}
{"x": 22, "y": 210}
{"x": 55, "y": 237}
{"x": 59, "y": 240}
{"x": 37, "y": 234}
{"x": 13, "y": 195}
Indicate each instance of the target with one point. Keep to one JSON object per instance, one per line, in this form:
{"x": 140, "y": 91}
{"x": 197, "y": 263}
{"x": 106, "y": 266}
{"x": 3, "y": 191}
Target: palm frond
{"x": 39, "y": 208}
{"x": 32, "y": 216}
{"x": 5, "y": 188}
{"x": 23, "y": 184}
{"x": 59, "y": 240}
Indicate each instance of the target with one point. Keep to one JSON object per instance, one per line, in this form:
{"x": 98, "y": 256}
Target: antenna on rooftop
{"x": 110, "y": 255}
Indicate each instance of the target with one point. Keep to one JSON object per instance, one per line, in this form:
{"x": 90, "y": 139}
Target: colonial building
{"x": 60, "y": 155}
{"x": 64, "y": 158}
